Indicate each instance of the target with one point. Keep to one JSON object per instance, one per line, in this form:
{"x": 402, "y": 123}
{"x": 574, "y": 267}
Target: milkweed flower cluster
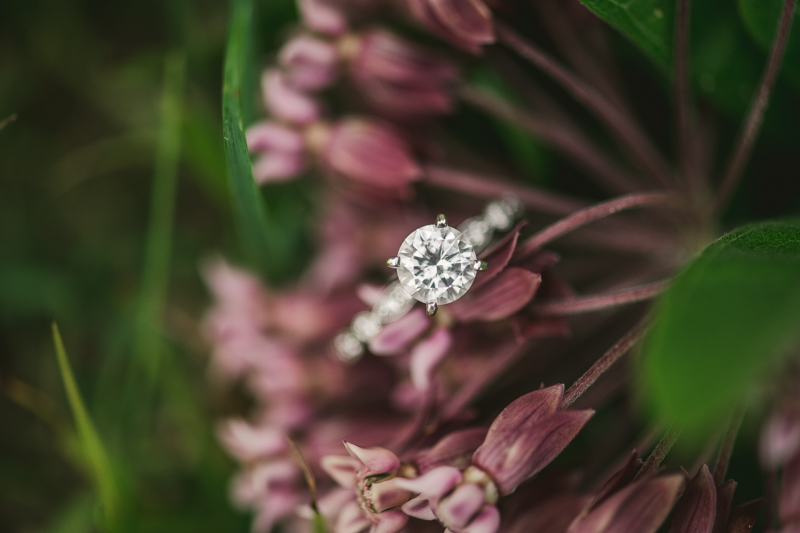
{"x": 455, "y": 422}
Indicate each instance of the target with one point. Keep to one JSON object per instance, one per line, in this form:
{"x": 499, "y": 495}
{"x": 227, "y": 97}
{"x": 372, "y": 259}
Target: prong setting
{"x": 393, "y": 262}
{"x": 441, "y": 221}
{"x": 480, "y": 265}
{"x": 431, "y": 308}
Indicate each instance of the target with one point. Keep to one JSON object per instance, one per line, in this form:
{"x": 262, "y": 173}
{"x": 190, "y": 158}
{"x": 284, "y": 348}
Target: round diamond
{"x": 437, "y": 265}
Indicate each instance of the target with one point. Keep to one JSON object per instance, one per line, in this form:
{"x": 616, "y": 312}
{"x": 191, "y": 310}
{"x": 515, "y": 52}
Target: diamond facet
{"x": 436, "y": 264}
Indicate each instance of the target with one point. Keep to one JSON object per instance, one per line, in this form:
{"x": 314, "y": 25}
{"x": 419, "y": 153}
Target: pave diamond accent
{"x": 437, "y": 265}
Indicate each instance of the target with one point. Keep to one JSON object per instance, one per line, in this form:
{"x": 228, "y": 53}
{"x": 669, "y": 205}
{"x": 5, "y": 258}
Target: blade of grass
{"x": 155, "y": 276}
{"x": 91, "y": 445}
{"x": 247, "y": 205}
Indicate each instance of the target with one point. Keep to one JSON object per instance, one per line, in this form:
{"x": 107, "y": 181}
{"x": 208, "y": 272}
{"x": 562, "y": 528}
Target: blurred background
{"x": 112, "y": 192}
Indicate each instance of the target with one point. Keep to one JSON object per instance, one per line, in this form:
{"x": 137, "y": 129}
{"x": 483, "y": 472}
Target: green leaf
{"x": 91, "y": 445}
{"x": 724, "y": 324}
{"x": 158, "y": 245}
{"x": 248, "y": 208}
{"x": 648, "y": 23}
{"x": 760, "y": 17}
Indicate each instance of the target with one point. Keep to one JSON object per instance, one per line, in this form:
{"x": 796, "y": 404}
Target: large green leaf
{"x": 725, "y": 62}
{"x": 724, "y": 324}
{"x": 247, "y": 204}
{"x": 648, "y": 23}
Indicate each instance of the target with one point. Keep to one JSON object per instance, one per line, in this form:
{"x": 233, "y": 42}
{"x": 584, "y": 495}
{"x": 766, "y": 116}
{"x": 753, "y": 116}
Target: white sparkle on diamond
{"x": 437, "y": 265}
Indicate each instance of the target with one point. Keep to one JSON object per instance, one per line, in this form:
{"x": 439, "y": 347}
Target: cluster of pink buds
{"x": 431, "y": 394}
{"x": 395, "y": 78}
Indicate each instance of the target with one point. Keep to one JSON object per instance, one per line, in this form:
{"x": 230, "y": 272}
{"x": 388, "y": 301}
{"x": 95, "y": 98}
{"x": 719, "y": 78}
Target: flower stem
{"x": 597, "y": 302}
{"x": 758, "y": 106}
{"x": 490, "y": 186}
{"x": 596, "y": 212}
{"x": 659, "y": 453}
{"x": 627, "y": 131}
{"x": 560, "y": 137}
{"x": 604, "y": 363}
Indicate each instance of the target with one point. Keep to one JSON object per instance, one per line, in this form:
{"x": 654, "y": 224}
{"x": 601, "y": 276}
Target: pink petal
{"x": 247, "y": 442}
{"x": 390, "y": 522}
{"x": 455, "y": 449}
{"x": 377, "y": 460}
{"x": 469, "y": 20}
{"x": 498, "y": 258}
{"x": 420, "y": 508}
{"x": 743, "y": 517}
{"x": 269, "y": 136}
{"x": 488, "y": 521}
{"x": 278, "y": 166}
{"x": 533, "y": 445}
{"x": 321, "y": 17}
{"x": 341, "y": 468}
{"x": 388, "y": 494}
{"x": 427, "y": 354}
{"x": 395, "y": 338}
{"x": 434, "y": 483}
{"x": 532, "y": 406}
{"x": 641, "y": 507}
{"x": 619, "y": 479}
{"x": 311, "y": 62}
{"x": 286, "y": 102}
{"x": 725, "y": 493}
{"x": 780, "y": 439}
{"x": 352, "y": 520}
{"x": 423, "y": 11}
{"x": 456, "y": 510}
{"x": 789, "y": 503}
{"x": 697, "y": 508}
{"x": 502, "y": 297}
{"x": 371, "y": 152}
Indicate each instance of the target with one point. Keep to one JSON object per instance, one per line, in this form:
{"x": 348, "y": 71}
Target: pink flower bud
{"x": 697, "y": 507}
{"x": 399, "y": 78}
{"x": 370, "y": 152}
{"x": 641, "y": 507}
{"x": 780, "y": 438}
{"x": 427, "y": 354}
{"x": 277, "y": 166}
{"x": 465, "y": 23}
{"x": 396, "y": 337}
{"x": 248, "y": 443}
{"x": 457, "y": 509}
{"x": 498, "y": 299}
{"x": 286, "y": 102}
{"x": 789, "y": 503}
{"x": 526, "y": 436}
{"x": 322, "y": 17}
{"x": 455, "y": 449}
{"x": 311, "y": 63}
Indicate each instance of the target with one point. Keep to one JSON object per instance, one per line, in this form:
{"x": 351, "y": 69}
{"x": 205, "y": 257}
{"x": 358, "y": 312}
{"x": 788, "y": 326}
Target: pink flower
{"x": 465, "y": 23}
{"x": 322, "y": 16}
{"x": 373, "y": 474}
{"x": 522, "y": 440}
{"x": 370, "y": 152}
{"x": 311, "y": 63}
{"x": 526, "y": 436}
{"x": 401, "y": 79}
{"x": 642, "y": 507}
{"x": 287, "y": 102}
{"x": 280, "y": 152}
